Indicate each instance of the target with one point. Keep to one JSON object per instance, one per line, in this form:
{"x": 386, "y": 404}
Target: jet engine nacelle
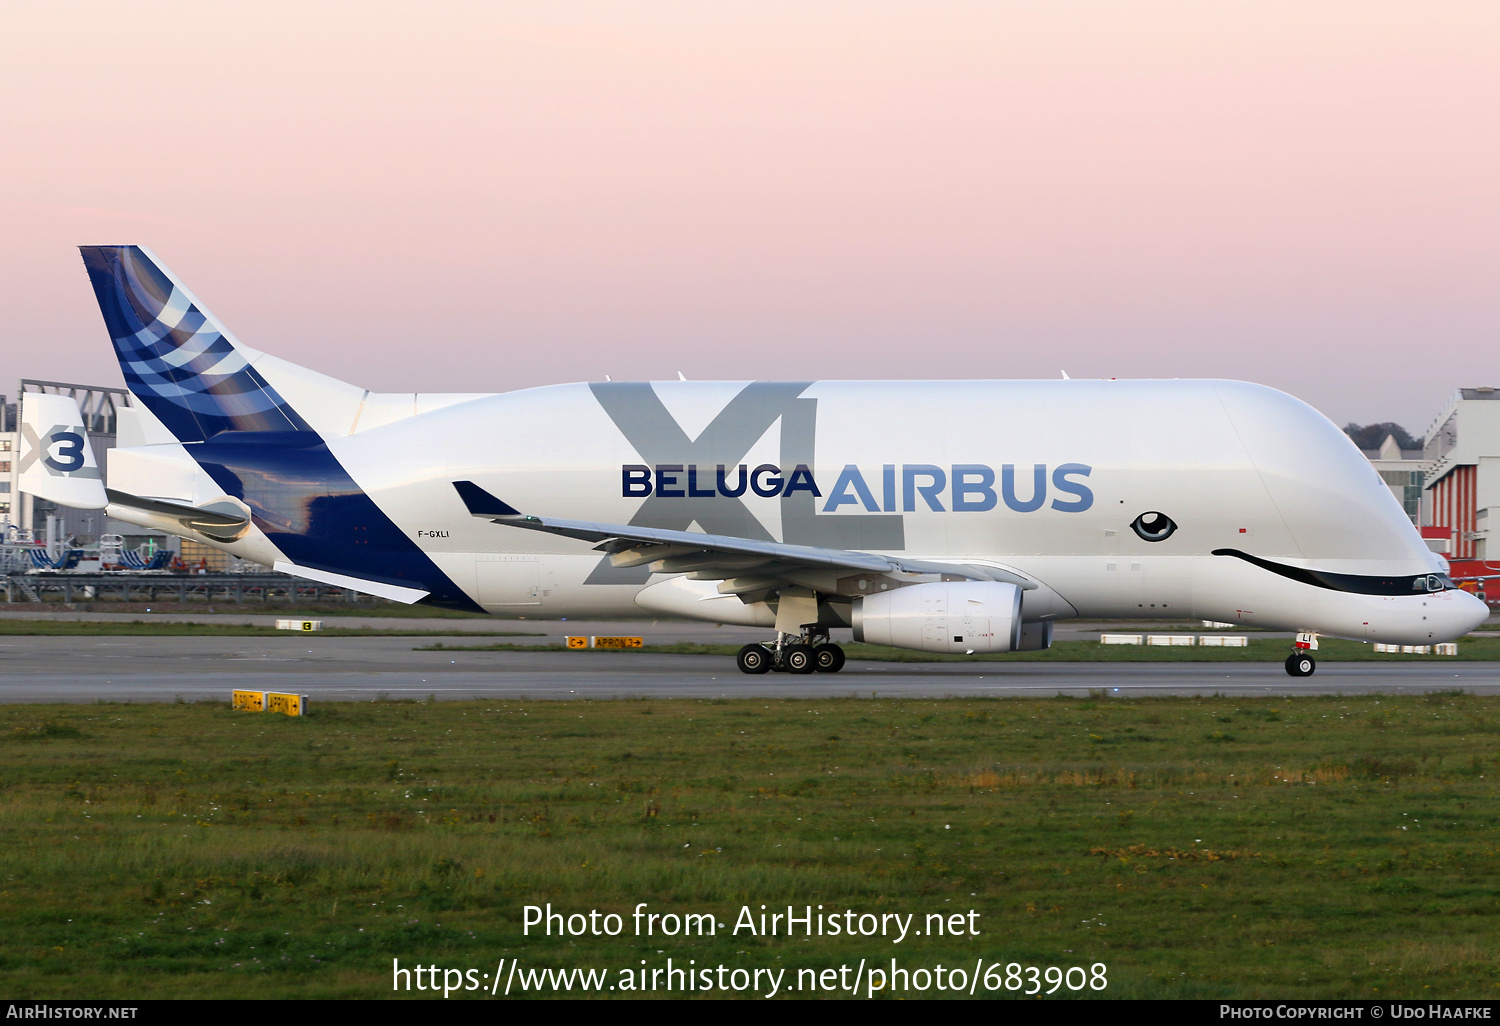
{"x": 959, "y": 616}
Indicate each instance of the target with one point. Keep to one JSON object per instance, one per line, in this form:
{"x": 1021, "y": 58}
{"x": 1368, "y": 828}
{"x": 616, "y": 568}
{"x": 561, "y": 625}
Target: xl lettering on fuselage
{"x": 969, "y": 487}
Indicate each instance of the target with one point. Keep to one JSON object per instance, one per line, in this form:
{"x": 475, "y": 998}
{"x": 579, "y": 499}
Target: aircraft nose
{"x": 1465, "y": 614}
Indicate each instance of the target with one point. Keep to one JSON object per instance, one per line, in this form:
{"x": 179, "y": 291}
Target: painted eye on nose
{"x": 1153, "y": 526}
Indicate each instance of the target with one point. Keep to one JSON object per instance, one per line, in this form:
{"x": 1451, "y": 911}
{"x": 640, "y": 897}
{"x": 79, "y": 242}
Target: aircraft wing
{"x": 744, "y": 564}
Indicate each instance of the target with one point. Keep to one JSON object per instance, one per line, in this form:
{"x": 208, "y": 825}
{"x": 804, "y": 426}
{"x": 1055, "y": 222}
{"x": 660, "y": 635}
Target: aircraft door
{"x": 508, "y": 580}
{"x": 1379, "y": 616}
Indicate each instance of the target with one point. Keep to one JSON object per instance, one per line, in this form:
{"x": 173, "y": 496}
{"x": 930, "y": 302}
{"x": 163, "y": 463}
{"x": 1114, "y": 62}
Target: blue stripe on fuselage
{"x": 313, "y": 511}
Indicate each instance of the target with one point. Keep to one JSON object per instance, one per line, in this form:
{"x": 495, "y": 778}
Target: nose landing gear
{"x": 1301, "y": 663}
{"x": 791, "y": 654}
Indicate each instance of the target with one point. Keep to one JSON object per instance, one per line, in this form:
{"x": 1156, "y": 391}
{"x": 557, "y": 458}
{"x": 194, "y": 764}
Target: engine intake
{"x": 960, "y": 616}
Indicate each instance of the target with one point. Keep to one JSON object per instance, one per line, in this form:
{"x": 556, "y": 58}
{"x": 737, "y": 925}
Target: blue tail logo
{"x": 176, "y": 357}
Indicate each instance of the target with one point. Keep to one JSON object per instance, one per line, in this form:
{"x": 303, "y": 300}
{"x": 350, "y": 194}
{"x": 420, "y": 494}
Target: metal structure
{"x": 118, "y": 587}
{"x": 97, "y": 403}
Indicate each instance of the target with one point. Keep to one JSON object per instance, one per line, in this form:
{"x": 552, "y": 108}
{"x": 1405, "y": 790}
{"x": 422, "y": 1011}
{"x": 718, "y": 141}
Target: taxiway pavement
{"x": 156, "y": 669}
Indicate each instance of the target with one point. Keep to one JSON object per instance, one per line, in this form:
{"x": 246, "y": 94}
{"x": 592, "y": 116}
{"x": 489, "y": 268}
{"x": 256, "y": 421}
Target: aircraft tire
{"x": 1300, "y": 664}
{"x": 828, "y": 658}
{"x": 798, "y": 659}
{"x": 753, "y": 659}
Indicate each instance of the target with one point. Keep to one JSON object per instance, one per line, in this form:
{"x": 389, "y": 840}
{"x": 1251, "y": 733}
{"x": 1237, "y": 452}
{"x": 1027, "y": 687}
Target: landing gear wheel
{"x": 753, "y": 659}
{"x": 829, "y": 658}
{"x": 1300, "y": 664}
{"x": 798, "y": 659}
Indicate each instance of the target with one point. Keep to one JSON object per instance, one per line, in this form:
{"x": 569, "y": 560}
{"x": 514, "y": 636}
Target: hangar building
{"x": 1461, "y": 452}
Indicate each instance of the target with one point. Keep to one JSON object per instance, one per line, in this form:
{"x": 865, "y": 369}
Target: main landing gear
{"x": 792, "y": 654}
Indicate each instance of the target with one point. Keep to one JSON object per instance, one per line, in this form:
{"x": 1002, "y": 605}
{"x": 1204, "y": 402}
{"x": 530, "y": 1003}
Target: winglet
{"x": 481, "y": 503}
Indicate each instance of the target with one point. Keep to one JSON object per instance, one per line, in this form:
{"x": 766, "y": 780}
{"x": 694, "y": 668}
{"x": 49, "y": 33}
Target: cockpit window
{"x": 1433, "y": 582}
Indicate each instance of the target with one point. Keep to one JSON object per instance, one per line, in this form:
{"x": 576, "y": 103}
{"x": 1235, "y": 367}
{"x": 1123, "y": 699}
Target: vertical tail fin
{"x": 57, "y": 461}
{"x": 177, "y": 359}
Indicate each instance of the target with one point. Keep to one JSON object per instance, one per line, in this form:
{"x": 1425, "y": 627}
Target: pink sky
{"x": 457, "y": 197}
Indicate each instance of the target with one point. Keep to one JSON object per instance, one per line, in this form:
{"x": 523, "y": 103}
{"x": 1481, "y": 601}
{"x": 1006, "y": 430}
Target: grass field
{"x": 1258, "y": 650}
{"x": 1209, "y": 847}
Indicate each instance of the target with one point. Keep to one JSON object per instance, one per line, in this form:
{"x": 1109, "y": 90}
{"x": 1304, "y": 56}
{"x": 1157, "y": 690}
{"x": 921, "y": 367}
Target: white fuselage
{"x": 936, "y": 470}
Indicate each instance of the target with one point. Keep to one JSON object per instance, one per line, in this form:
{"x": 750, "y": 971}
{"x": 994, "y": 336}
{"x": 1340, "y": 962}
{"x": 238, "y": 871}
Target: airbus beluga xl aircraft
{"x": 945, "y": 516}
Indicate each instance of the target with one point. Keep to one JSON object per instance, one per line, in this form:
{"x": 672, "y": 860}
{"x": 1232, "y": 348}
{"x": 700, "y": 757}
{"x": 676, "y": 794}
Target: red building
{"x": 1462, "y": 453}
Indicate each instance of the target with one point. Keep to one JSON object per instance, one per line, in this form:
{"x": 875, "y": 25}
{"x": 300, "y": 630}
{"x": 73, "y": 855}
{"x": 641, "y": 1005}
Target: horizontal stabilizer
{"x": 222, "y": 521}
{"x": 212, "y": 515}
{"x": 394, "y": 592}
